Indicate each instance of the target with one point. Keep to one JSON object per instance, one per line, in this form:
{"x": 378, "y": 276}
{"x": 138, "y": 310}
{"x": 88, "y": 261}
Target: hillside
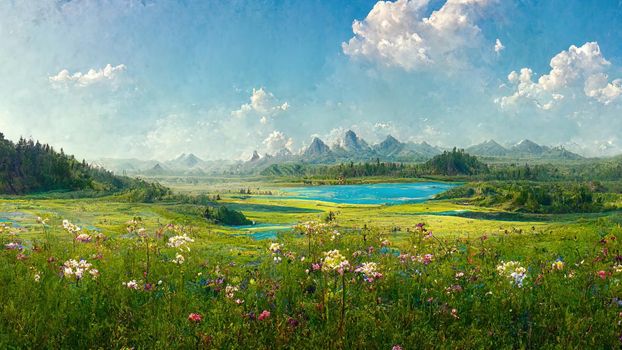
{"x": 31, "y": 167}
{"x": 456, "y": 162}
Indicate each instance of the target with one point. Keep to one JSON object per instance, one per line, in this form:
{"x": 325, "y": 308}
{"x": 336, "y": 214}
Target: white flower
{"x": 518, "y": 278}
{"x": 275, "y": 248}
{"x": 131, "y": 285}
{"x": 514, "y": 271}
{"x": 335, "y": 235}
{"x": 369, "y": 271}
{"x": 73, "y": 268}
{"x": 230, "y": 291}
{"x": 12, "y": 246}
{"x": 179, "y": 241}
{"x": 179, "y": 259}
{"x": 334, "y": 261}
{"x": 71, "y": 228}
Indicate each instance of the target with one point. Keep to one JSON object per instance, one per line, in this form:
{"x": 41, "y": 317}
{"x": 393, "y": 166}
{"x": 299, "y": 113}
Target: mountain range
{"x": 523, "y": 149}
{"x": 349, "y": 148}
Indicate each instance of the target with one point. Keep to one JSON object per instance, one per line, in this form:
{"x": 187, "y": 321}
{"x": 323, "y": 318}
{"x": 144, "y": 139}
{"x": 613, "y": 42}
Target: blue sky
{"x": 222, "y": 78}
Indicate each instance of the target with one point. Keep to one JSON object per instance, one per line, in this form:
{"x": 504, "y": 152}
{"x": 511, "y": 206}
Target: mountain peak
{"x": 389, "y": 147}
{"x": 529, "y": 147}
{"x": 390, "y": 139}
{"x": 352, "y": 143}
{"x": 187, "y": 160}
{"x": 316, "y": 148}
{"x": 488, "y": 148}
{"x": 255, "y": 157}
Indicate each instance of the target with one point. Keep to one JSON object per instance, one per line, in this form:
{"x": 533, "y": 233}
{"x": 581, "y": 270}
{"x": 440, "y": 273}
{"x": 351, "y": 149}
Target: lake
{"x": 386, "y": 193}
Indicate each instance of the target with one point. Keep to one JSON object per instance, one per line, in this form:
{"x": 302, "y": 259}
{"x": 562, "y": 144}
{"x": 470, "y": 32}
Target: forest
{"x": 28, "y": 167}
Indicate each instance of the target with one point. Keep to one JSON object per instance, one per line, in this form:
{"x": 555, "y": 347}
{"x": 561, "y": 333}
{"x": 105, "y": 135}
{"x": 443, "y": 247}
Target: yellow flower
{"x": 558, "y": 265}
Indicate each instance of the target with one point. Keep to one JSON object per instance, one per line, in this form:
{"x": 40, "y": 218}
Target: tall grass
{"x": 431, "y": 291}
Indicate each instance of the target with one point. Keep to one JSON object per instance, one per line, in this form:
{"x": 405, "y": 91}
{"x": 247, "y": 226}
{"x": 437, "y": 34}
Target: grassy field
{"x": 404, "y": 276}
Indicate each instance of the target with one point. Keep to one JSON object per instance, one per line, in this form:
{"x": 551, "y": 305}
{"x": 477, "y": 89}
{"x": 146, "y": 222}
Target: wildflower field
{"x": 93, "y": 273}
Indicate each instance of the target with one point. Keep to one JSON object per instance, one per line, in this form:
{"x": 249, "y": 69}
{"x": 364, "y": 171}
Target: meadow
{"x": 104, "y": 273}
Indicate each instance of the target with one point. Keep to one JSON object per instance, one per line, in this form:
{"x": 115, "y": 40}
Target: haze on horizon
{"x": 154, "y": 79}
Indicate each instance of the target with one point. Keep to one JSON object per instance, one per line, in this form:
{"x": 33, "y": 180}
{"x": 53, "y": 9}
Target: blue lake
{"x": 262, "y": 231}
{"x": 394, "y": 193}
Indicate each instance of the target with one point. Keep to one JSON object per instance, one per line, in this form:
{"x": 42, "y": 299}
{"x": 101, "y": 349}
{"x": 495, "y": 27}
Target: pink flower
{"x": 427, "y": 259}
{"x": 194, "y": 317}
{"x": 265, "y": 314}
{"x": 602, "y": 274}
{"x": 396, "y": 347}
{"x": 83, "y": 237}
{"x": 316, "y": 266}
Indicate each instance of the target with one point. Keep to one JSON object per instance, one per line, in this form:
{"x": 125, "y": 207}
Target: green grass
{"x": 411, "y": 305}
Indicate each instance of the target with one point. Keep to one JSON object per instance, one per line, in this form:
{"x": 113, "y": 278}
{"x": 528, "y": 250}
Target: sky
{"x": 152, "y": 79}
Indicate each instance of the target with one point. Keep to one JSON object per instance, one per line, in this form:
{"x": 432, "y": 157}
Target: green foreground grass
{"x": 440, "y": 289}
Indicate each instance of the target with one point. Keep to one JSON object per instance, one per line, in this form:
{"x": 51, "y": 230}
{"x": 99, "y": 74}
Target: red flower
{"x": 196, "y": 318}
{"x": 265, "y": 314}
{"x": 602, "y": 274}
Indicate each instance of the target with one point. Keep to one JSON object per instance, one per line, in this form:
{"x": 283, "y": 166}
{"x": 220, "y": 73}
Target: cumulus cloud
{"x": 65, "y": 78}
{"x": 262, "y": 103}
{"x": 578, "y": 68}
{"x": 598, "y": 86}
{"x": 399, "y": 34}
{"x": 278, "y": 141}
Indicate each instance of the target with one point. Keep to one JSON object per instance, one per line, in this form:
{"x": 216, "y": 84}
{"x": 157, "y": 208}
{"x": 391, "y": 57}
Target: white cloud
{"x": 277, "y": 141}
{"x": 578, "y": 68}
{"x": 398, "y": 33}
{"x": 597, "y": 86}
{"x": 262, "y": 103}
{"x": 64, "y": 77}
{"x": 499, "y": 46}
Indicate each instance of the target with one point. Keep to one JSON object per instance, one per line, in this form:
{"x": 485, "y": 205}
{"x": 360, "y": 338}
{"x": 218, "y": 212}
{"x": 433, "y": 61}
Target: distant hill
{"x": 455, "y": 162}
{"x": 488, "y": 148}
{"x": 31, "y": 167}
{"x": 422, "y": 150}
{"x": 187, "y": 161}
{"x": 183, "y": 165}
{"x": 525, "y": 149}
